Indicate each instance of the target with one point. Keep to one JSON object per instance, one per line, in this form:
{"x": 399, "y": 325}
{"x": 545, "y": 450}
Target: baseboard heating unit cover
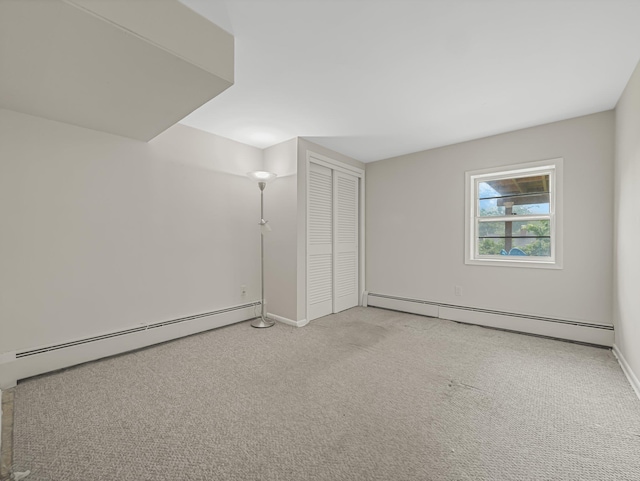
{"x": 31, "y": 362}
{"x": 572, "y": 330}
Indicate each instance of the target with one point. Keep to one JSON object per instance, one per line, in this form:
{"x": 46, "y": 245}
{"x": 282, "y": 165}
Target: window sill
{"x": 528, "y": 264}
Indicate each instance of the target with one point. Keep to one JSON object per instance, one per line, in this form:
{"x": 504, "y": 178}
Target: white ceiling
{"x": 374, "y": 79}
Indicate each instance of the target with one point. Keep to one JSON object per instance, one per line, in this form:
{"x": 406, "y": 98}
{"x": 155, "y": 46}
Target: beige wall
{"x": 102, "y": 233}
{"x": 415, "y": 224}
{"x": 280, "y": 244}
{"x": 626, "y": 301}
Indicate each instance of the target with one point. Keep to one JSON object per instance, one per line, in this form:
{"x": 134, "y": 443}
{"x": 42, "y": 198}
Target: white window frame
{"x": 552, "y": 167}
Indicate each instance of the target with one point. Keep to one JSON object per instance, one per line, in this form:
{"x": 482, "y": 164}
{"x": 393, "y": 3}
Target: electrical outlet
{"x": 243, "y": 290}
{"x": 458, "y": 290}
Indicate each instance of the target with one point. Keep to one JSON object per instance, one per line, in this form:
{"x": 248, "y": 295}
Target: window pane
{"x": 515, "y": 196}
{"x": 519, "y": 238}
{"x": 491, "y": 229}
{"x": 491, "y": 247}
{"x": 534, "y": 228}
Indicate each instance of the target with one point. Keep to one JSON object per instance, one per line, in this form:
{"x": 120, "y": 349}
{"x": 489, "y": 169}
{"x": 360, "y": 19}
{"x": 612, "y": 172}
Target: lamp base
{"x": 262, "y": 322}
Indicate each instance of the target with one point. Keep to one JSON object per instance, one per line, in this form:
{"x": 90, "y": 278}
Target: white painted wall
{"x": 626, "y": 301}
{"x": 280, "y": 199}
{"x": 415, "y": 224}
{"x": 100, "y": 232}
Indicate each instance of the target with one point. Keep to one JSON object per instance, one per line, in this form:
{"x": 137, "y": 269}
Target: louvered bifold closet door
{"x": 320, "y": 242}
{"x": 345, "y": 246}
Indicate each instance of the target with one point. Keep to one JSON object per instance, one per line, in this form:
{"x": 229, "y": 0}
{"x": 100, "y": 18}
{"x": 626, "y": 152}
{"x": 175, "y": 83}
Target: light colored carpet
{"x": 367, "y": 394}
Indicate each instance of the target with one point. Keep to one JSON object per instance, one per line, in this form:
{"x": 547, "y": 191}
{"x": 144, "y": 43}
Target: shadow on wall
{"x": 191, "y": 146}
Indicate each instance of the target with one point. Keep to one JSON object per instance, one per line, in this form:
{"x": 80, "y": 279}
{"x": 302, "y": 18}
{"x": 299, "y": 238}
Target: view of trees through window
{"x": 513, "y": 217}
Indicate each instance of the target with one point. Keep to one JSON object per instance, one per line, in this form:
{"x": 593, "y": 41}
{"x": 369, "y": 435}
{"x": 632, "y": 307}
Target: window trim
{"x": 552, "y": 166}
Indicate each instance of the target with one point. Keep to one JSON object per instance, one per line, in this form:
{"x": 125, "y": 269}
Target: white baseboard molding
{"x": 31, "y": 362}
{"x": 290, "y": 322}
{"x": 590, "y": 333}
{"x": 403, "y": 305}
{"x": 626, "y": 368}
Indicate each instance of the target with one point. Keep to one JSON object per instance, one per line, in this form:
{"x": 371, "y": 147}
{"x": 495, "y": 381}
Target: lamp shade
{"x": 262, "y": 176}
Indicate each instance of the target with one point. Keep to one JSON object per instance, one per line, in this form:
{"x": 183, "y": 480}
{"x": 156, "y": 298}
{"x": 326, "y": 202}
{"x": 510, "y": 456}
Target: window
{"x": 513, "y": 215}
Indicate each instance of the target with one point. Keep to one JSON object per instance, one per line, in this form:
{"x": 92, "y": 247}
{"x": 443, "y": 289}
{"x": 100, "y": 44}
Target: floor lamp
{"x": 262, "y": 178}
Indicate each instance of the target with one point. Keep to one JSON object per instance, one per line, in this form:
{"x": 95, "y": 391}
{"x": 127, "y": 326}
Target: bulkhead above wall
{"x": 127, "y": 68}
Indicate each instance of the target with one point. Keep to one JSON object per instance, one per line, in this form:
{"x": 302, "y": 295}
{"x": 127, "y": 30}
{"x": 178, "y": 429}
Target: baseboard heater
{"x": 573, "y": 330}
{"x": 26, "y": 363}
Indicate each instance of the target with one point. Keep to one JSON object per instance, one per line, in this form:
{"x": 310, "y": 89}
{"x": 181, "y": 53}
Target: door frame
{"x": 314, "y": 157}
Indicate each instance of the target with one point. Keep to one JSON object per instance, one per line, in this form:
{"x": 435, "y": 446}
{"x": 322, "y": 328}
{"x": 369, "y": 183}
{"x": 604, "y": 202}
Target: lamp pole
{"x": 262, "y": 177}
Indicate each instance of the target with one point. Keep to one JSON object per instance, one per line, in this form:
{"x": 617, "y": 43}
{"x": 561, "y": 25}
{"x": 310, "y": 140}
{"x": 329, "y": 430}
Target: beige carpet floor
{"x": 367, "y": 394}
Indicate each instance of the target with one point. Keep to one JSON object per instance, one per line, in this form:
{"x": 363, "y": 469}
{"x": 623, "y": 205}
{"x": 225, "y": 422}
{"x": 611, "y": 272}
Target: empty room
{"x": 319, "y": 240}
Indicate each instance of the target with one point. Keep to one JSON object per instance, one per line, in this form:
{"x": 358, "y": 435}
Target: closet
{"x": 333, "y": 218}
